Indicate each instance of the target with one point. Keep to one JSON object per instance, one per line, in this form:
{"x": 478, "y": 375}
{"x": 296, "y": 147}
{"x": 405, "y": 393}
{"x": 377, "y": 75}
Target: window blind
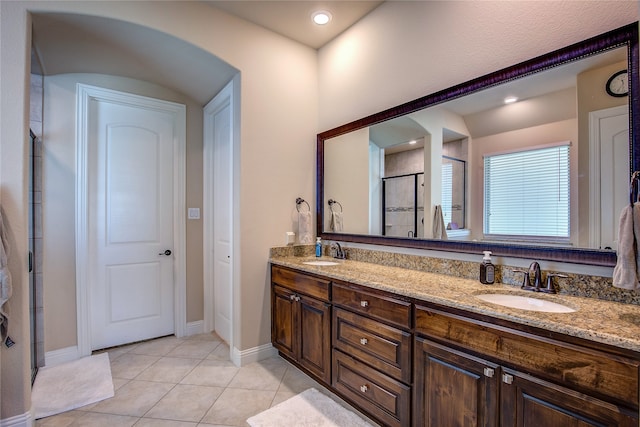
{"x": 526, "y": 193}
{"x": 447, "y": 191}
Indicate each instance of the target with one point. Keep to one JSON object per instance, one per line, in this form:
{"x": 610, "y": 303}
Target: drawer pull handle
{"x": 364, "y": 341}
{"x": 488, "y": 372}
{"x": 507, "y": 379}
{"x": 364, "y": 388}
{"x": 364, "y": 303}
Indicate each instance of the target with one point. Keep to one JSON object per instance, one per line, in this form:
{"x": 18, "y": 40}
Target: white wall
{"x": 277, "y": 149}
{"x": 346, "y": 179}
{"x": 403, "y": 50}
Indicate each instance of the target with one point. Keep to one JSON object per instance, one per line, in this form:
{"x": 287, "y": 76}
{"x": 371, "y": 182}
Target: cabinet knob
{"x": 292, "y": 297}
{"x": 488, "y": 372}
{"x": 364, "y": 341}
{"x": 507, "y": 379}
{"x": 297, "y": 298}
{"x": 364, "y": 388}
{"x": 364, "y": 303}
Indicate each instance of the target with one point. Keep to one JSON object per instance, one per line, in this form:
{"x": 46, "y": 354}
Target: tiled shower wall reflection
{"x": 35, "y": 219}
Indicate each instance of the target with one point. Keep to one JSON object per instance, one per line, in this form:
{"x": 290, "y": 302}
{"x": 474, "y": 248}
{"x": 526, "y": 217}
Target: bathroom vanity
{"x": 414, "y": 348}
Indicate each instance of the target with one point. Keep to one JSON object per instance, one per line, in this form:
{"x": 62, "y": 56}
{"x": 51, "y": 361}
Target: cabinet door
{"x": 531, "y": 402}
{"x": 315, "y": 336}
{"x": 284, "y": 328}
{"x": 452, "y": 388}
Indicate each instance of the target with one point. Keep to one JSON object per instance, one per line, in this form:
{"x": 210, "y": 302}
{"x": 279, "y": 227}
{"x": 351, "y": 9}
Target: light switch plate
{"x": 193, "y": 213}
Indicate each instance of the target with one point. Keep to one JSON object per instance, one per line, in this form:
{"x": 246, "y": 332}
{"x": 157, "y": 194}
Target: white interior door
{"x": 218, "y": 223}
{"x": 130, "y": 223}
{"x": 222, "y": 230}
{"x": 613, "y": 140}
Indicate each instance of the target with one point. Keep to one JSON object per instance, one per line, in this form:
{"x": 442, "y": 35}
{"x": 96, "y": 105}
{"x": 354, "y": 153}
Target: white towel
{"x": 335, "y": 223}
{"x": 438, "y": 229}
{"x": 626, "y": 273}
{"x": 305, "y": 235}
{"x": 5, "y": 278}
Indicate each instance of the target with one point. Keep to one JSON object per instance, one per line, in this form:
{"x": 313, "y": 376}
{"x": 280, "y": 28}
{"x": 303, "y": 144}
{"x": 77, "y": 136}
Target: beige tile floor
{"x": 171, "y": 382}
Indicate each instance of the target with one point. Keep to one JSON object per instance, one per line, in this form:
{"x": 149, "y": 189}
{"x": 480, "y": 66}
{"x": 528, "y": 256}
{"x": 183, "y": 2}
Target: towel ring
{"x": 300, "y": 201}
{"x": 332, "y": 202}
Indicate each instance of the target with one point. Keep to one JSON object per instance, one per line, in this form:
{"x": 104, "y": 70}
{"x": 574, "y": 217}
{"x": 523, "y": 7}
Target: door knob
{"x": 167, "y": 252}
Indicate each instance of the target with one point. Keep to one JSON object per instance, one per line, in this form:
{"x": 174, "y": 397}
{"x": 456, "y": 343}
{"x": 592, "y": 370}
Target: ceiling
{"x": 73, "y": 43}
{"x": 293, "y": 18}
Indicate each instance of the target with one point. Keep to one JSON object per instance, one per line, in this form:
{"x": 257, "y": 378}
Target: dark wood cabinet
{"x": 527, "y": 401}
{"x": 453, "y": 388}
{"x": 407, "y": 362}
{"x": 372, "y": 352}
{"x": 565, "y": 385}
{"x": 301, "y": 324}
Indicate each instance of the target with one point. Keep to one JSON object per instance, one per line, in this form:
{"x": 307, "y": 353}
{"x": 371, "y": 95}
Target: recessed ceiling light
{"x": 510, "y": 99}
{"x": 321, "y": 17}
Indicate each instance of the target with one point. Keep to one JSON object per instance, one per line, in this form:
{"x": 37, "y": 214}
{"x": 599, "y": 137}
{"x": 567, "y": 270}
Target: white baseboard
{"x": 24, "y": 420}
{"x": 195, "y": 328}
{"x": 255, "y": 354}
{"x": 63, "y": 355}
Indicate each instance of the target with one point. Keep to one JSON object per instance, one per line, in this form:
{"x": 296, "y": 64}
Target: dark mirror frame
{"x": 626, "y": 36}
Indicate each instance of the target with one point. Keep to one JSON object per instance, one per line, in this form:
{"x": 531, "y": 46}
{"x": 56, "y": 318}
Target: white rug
{"x": 308, "y": 409}
{"x": 71, "y": 385}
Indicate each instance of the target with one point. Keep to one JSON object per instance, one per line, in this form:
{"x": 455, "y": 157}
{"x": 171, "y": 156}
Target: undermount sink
{"x": 525, "y": 303}
{"x": 321, "y": 263}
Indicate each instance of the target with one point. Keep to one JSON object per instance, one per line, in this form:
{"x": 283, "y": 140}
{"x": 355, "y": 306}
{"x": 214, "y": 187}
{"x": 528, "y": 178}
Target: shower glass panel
{"x": 403, "y": 205}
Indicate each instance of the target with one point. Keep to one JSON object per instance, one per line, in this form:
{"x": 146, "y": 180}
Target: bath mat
{"x": 71, "y": 385}
{"x": 307, "y": 409}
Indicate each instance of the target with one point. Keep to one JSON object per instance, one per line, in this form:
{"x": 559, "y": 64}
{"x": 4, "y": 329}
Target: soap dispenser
{"x": 487, "y": 269}
{"x": 318, "y": 247}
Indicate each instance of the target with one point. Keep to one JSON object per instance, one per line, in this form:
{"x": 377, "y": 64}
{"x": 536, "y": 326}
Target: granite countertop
{"x": 597, "y": 320}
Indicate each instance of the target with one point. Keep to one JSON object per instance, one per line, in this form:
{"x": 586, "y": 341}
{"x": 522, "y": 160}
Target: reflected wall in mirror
{"x": 545, "y": 176}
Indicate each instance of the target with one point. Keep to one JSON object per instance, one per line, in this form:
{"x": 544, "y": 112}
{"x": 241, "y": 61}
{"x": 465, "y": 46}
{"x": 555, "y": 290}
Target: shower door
{"x": 403, "y": 206}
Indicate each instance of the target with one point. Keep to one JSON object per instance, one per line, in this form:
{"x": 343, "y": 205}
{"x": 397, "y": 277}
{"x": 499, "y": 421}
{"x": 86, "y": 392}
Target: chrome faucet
{"x": 340, "y": 253}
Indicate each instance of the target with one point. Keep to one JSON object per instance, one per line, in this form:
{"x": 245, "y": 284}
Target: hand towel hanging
{"x": 335, "y": 224}
{"x": 5, "y": 278}
{"x": 305, "y": 235}
{"x": 438, "y": 228}
{"x": 626, "y": 273}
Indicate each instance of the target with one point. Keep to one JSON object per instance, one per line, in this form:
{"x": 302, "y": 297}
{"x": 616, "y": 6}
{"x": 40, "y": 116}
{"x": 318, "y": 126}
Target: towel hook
{"x": 332, "y": 202}
{"x": 300, "y": 201}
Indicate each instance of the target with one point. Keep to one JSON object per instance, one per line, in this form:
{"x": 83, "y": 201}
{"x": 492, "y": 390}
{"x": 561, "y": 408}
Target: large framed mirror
{"x": 544, "y": 177}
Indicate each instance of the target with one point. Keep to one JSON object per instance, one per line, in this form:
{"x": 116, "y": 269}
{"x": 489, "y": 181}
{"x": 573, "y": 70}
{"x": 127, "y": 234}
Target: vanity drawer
{"x": 382, "y": 346}
{"x": 377, "y": 306}
{"x": 300, "y": 282}
{"x": 592, "y": 371}
{"x": 378, "y": 394}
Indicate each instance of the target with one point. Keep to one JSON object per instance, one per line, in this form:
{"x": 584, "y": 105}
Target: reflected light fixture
{"x": 321, "y": 17}
{"x": 510, "y": 99}
{"x": 412, "y": 142}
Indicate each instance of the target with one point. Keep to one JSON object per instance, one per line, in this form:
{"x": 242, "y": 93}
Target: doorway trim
{"x": 84, "y": 95}
{"x": 226, "y": 97}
